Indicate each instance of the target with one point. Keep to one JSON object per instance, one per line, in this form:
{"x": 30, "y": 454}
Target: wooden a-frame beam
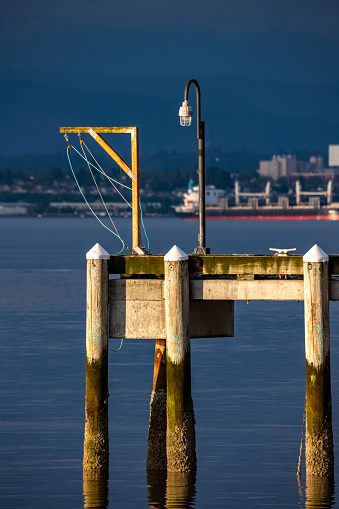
{"x": 133, "y": 172}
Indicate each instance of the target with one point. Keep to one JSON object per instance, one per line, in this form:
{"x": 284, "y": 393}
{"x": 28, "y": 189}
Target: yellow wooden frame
{"x": 133, "y": 172}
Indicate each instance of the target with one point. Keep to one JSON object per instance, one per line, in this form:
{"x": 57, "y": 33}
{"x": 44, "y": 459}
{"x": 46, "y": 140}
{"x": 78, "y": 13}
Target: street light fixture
{"x": 185, "y": 114}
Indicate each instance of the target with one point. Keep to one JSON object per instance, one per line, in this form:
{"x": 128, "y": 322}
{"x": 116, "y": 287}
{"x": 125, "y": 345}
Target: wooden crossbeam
{"x": 211, "y": 264}
{"x": 218, "y": 264}
{"x": 113, "y": 130}
{"x": 110, "y": 151}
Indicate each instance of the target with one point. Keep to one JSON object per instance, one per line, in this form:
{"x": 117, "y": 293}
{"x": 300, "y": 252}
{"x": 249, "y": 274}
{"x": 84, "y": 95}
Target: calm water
{"x": 248, "y": 391}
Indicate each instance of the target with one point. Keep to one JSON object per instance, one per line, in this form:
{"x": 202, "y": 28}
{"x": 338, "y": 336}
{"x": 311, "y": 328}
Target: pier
{"x": 178, "y": 297}
{"x": 174, "y": 298}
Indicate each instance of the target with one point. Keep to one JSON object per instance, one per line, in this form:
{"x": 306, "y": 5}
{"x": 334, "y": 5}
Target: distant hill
{"x": 267, "y": 117}
{"x": 162, "y": 161}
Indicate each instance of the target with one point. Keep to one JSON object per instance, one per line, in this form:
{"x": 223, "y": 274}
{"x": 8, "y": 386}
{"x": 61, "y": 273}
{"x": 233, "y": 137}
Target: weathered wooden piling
{"x": 156, "y": 450}
{"x": 180, "y": 445}
{"x": 201, "y": 305}
{"x": 96, "y": 447}
{"x": 319, "y": 437}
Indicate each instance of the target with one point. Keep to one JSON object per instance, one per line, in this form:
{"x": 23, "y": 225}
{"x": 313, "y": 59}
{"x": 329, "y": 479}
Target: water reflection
{"x": 319, "y": 492}
{"x": 96, "y": 493}
{"x": 172, "y": 490}
{"x": 156, "y": 490}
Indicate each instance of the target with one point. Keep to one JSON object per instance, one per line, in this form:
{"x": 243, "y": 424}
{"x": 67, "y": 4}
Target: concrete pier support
{"x": 181, "y": 456}
{"x": 319, "y": 437}
{"x": 96, "y": 447}
{"x": 156, "y": 450}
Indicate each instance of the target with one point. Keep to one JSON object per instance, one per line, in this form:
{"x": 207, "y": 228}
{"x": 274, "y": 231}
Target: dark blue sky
{"x": 268, "y": 39}
{"x": 242, "y": 51}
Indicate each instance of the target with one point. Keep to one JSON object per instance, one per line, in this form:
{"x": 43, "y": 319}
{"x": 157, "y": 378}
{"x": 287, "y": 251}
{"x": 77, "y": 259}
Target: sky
{"x": 150, "y": 37}
{"x": 152, "y": 47}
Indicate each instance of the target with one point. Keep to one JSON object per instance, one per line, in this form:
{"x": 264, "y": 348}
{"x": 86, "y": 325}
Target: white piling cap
{"x": 175, "y": 255}
{"x": 97, "y": 253}
{"x": 315, "y": 254}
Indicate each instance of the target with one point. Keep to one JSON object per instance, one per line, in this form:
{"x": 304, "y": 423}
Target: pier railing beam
{"x": 319, "y": 437}
{"x": 96, "y": 447}
{"x": 180, "y": 446}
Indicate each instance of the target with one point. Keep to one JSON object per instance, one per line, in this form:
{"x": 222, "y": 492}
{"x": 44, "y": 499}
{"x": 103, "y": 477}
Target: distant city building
{"x": 316, "y": 163}
{"x": 13, "y": 209}
{"x": 333, "y": 155}
{"x": 279, "y": 166}
{"x": 292, "y": 169}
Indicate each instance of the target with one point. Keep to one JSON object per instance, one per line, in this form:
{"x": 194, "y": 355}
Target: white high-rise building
{"x": 333, "y": 155}
{"x": 279, "y": 166}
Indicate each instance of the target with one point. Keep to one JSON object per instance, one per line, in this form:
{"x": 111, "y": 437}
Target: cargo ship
{"x": 216, "y": 206}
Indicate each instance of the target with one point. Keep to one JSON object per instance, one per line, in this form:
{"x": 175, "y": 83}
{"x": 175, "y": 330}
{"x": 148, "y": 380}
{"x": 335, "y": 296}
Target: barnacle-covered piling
{"x": 319, "y": 437}
{"x": 181, "y": 456}
{"x": 96, "y": 446}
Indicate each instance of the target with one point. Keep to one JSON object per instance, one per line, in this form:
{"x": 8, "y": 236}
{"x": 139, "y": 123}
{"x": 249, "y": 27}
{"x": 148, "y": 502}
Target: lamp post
{"x": 185, "y": 114}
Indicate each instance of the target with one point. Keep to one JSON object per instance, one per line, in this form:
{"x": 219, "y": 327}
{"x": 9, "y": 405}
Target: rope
{"x": 111, "y": 180}
{"x": 302, "y": 433}
{"x": 103, "y": 172}
{"x": 88, "y": 205}
{"x": 96, "y": 185}
{"x": 302, "y": 438}
{"x": 143, "y": 226}
{"x": 122, "y": 339}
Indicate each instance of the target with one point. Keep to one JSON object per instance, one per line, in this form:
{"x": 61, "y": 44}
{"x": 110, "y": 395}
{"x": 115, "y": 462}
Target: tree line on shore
{"x": 163, "y": 186}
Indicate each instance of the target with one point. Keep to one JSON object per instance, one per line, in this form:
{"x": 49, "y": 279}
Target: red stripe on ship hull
{"x": 269, "y": 218}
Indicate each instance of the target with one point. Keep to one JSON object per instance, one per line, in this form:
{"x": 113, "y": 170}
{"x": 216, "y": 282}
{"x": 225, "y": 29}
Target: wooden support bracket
{"x": 132, "y": 172}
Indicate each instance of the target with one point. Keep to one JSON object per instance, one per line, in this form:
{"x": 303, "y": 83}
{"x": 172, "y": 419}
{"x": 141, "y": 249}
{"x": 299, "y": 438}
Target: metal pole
{"x": 202, "y": 249}
{"x": 202, "y": 219}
